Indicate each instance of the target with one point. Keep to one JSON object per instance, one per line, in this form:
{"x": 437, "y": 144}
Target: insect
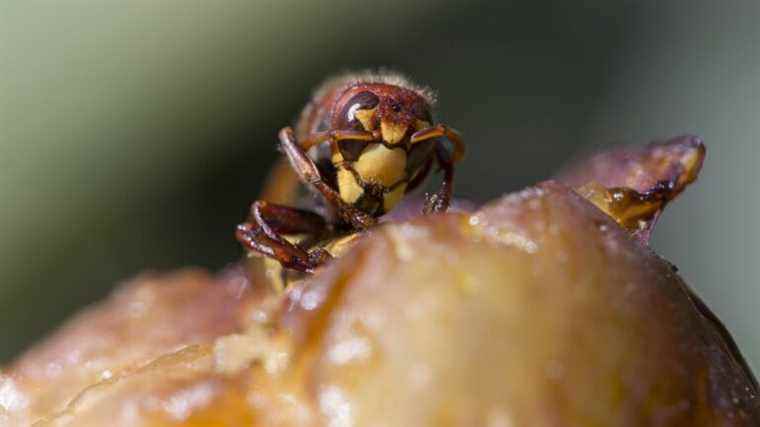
{"x": 362, "y": 143}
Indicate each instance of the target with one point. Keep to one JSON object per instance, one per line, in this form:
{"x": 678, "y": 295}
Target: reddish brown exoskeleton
{"x": 362, "y": 143}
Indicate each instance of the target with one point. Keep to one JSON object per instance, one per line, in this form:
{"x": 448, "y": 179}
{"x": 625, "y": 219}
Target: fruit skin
{"x": 537, "y": 309}
{"x": 634, "y": 184}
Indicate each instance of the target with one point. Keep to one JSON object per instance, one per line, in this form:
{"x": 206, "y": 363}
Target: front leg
{"x": 262, "y": 233}
{"x": 440, "y": 200}
{"x": 438, "y": 131}
{"x": 308, "y": 173}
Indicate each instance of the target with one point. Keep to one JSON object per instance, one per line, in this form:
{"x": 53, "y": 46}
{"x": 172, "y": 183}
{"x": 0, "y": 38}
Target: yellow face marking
{"x": 349, "y": 189}
{"x": 421, "y": 124}
{"x": 391, "y": 199}
{"x": 365, "y": 118}
{"x": 381, "y": 165}
{"x": 392, "y": 133}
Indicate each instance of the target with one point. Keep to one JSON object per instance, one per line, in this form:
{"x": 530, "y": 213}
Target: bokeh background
{"x": 133, "y": 135}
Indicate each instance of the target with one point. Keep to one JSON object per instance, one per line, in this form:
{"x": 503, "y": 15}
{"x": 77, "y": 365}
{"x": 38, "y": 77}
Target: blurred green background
{"x": 134, "y": 135}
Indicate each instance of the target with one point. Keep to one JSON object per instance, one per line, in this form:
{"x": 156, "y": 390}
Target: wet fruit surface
{"x": 537, "y": 309}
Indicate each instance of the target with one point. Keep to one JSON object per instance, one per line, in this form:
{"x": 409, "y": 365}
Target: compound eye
{"x": 357, "y": 113}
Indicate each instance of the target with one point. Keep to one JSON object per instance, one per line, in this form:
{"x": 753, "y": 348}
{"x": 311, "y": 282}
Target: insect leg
{"x": 277, "y": 219}
{"x": 263, "y": 231}
{"x": 288, "y": 254}
{"x": 438, "y": 131}
{"x": 309, "y": 174}
{"x": 440, "y": 200}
